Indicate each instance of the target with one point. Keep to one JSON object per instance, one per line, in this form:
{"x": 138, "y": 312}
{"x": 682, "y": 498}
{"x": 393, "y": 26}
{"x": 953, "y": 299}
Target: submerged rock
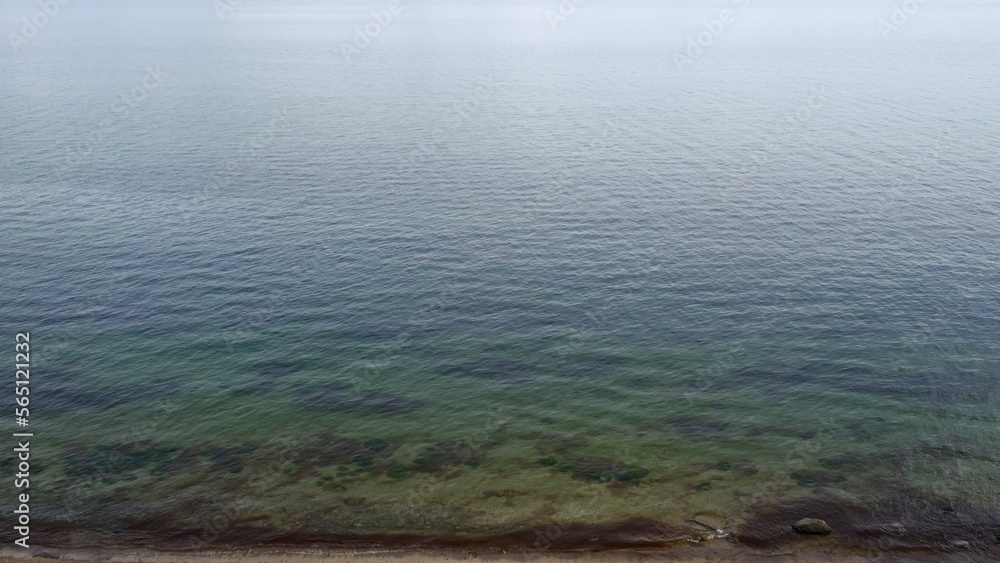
{"x": 812, "y": 526}
{"x": 632, "y": 473}
{"x": 867, "y": 522}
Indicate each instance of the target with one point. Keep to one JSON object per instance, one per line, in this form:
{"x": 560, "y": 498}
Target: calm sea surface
{"x": 481, "y": 268}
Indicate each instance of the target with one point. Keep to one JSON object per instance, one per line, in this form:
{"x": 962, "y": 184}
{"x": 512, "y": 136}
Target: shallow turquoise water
{"x": 324, "y": 295}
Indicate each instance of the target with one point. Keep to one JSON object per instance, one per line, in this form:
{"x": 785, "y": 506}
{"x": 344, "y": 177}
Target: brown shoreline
{"x": 768, "y": 538}
{"x": 890, "y": 527}
{"x": 631, "y": 534}
{"x": 701, "y": 554}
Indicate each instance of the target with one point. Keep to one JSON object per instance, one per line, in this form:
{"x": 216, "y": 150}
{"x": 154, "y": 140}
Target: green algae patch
{"x": 398, "y": 471}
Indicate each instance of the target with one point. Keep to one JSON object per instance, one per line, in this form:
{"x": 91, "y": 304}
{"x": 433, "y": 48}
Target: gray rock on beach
{"x": 812, "y": 526}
